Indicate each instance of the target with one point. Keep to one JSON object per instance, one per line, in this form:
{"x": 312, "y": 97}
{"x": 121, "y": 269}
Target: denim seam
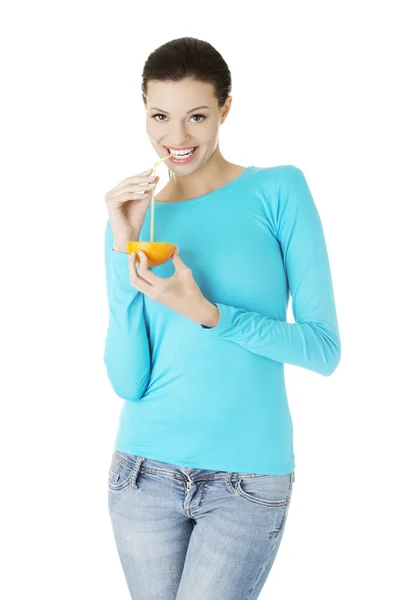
{"x": 259, "y": 501}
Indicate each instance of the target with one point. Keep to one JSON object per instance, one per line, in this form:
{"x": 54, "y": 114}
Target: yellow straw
{"x": 152, "y": 198}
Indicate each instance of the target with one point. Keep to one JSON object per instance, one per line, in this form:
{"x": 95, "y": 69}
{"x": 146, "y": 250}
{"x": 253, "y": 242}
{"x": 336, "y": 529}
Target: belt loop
{"x": 292, "y": 476}
{"x": 135, "y": 471}
{"x": 228, "y": 482}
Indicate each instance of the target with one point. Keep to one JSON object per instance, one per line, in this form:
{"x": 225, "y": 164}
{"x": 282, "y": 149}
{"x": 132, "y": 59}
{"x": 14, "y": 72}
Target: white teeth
{"x": 182, "y": 153}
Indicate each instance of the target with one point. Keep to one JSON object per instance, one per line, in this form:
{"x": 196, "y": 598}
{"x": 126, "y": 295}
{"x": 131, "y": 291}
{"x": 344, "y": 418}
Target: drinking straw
{"x": 152, "y": 198}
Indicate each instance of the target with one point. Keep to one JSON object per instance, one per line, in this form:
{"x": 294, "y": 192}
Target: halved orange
{"x": 157, "y": 252}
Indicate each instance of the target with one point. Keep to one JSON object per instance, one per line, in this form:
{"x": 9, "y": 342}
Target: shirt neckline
{"x": 191, "y": 201}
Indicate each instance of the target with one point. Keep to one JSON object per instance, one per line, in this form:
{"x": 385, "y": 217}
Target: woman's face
{"x": 171, "y": 120}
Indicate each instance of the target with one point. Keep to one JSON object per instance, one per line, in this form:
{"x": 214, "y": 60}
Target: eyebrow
{"x": 189, "y": 111}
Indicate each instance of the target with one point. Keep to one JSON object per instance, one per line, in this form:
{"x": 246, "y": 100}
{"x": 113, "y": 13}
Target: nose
{"x": 177, "y": 132}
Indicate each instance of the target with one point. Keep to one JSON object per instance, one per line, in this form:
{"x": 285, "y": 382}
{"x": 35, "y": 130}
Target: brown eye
{"x": 203, "y": 117}
{"x": 157, "y": 115}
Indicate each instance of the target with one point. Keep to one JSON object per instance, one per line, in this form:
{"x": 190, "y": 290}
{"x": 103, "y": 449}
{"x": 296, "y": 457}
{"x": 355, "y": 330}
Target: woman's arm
{"x": 127, "y": 351}
{"x": 313, "y": 341}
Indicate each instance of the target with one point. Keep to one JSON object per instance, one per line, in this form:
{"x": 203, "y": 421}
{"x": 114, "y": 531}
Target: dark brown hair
{"x": 188, "y": 57}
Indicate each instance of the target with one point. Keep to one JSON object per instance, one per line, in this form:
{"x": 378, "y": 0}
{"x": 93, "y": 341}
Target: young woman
{"x": 202, "y": 471}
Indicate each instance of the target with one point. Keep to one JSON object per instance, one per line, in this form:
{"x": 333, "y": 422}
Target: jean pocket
{"x": 271, "y": 491}
{"x": 119, "y": 472}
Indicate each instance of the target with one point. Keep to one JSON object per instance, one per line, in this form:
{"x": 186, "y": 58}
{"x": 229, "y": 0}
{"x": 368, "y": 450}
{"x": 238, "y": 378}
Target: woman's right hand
{"x": 127, "y": 206}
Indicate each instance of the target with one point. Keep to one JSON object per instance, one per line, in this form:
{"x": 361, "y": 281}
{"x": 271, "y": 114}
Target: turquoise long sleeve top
{"x": 215, "y": 398}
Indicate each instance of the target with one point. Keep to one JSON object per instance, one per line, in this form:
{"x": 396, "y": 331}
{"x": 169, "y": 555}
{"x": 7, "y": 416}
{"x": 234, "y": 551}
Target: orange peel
{"x": 157, "y": 252}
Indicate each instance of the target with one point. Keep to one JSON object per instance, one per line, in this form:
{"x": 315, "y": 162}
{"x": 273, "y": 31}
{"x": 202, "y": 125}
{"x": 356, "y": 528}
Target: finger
{"x": 136, "y": 280}
{"x": 177, "y": 261}
{"x": 140, "y": 178}
{"x": 146, "y": 186}
{"x": 145, "y": 272}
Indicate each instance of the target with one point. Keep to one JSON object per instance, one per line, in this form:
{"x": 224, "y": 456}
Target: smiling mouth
{"x": 181, "y": 153}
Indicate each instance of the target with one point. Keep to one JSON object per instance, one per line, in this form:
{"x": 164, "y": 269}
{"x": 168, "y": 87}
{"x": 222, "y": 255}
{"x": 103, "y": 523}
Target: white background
{"x": 314, "y": 85}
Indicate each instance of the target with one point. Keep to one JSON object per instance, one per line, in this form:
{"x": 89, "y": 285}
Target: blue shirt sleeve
{"x": 127, "y": 351}
{"x": 313, "y": 341}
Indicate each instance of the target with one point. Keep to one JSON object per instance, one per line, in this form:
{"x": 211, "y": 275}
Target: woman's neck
{"x": 201, "y": 182}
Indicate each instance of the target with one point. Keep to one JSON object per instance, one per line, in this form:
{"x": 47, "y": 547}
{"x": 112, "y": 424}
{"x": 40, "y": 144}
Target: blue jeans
{"x": 193, "y": 534}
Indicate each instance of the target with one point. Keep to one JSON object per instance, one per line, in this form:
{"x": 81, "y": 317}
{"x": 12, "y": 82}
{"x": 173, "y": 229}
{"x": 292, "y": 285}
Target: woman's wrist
{"x": 121, "y": 245}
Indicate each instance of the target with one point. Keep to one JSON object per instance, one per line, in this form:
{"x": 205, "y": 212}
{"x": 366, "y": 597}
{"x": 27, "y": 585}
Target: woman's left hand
{"x": 180, "y": 292}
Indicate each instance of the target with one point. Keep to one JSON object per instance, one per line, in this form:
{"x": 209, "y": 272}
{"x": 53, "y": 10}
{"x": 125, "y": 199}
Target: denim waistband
{"x": 191, "y": 474}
